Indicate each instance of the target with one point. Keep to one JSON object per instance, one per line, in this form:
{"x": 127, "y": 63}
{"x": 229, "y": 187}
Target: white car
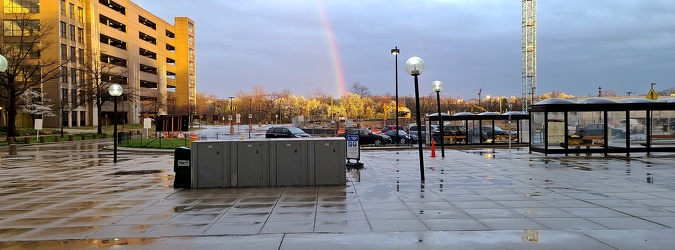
{"x": 635, "y": 125}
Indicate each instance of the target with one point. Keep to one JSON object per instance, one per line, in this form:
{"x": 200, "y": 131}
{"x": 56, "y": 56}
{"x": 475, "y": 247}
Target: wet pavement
{"x": 71, "y": 196}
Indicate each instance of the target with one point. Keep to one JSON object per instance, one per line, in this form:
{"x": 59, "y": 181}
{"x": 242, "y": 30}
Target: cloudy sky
{"x": 307, "y": 46}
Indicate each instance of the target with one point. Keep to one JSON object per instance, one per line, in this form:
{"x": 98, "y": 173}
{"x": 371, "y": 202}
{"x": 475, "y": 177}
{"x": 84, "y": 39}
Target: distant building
{"x": 156, "y": 59}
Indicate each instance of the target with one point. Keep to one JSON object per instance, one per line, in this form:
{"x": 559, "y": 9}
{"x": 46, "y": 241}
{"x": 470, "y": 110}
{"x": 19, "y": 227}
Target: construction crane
{"x": 478, "y": 108}
{"x": 529, "y": 53}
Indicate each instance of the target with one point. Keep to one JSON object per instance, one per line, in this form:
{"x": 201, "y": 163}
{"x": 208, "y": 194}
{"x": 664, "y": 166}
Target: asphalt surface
{"x": 71, "y": 195}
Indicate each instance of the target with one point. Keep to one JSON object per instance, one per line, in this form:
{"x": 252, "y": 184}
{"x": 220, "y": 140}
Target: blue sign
{"x": 353, "y": 147}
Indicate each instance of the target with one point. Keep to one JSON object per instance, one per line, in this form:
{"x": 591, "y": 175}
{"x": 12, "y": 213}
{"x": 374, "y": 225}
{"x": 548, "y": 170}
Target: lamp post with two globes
{"x": 115, "y": 90}
{"x": 415, "y": 66}
{"x": 437, "y": 86}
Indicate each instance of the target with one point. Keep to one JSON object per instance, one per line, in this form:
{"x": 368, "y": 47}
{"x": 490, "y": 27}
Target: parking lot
{"x": 70, "y": 195}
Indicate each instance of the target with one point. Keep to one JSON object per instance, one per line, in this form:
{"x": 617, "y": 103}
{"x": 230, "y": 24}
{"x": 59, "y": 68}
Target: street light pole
{"x": 395, "y": 51}
{"x": 230, "y": 117}
{"x": 437, "y": 86}
{"x": 415, "y": 66}
{"x": 3, "y": 67}
{"x": 115, "y": 90}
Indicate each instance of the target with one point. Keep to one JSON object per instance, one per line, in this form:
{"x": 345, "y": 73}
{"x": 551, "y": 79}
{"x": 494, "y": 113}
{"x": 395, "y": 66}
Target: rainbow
{"x": 334, "y": 53}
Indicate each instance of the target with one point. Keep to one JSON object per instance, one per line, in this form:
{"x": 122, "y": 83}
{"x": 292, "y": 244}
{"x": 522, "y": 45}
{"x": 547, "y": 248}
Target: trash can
{"x": 182, "y": 167}
{"x": 123, "y": 136}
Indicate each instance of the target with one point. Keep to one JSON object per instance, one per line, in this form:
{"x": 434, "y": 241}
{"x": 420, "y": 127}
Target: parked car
{"x": 402, "y": 136}
{"x": 285, "y": 132}
{"x": 487, "y": 132}
{"x": 393, "y": 127}
{"x": 412, "y": 129}
{"x": 598, "y": 129}
{"x": 367, "y": 137}
{"x": 449, "y": 130}
{"x": 635, "y": 125}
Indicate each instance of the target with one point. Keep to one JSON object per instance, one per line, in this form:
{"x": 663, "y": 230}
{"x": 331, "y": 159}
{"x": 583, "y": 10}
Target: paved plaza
{"x": 71, "y": 195}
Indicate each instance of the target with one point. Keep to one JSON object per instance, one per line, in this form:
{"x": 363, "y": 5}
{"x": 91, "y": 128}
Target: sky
{"x": 310, "y": 46}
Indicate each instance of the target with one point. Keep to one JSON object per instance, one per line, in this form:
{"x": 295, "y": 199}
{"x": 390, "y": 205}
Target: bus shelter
{"x": 599, "y": 125}
{"x": 487, "y": 128}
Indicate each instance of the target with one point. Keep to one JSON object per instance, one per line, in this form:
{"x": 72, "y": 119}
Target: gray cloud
{"x": 617, "y": 44}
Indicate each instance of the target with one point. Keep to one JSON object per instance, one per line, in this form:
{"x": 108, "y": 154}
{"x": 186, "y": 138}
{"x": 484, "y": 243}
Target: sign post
{"x": 147, "y": 123}
{"x": 353, "y": 151}
{"x": 38, "y": 127}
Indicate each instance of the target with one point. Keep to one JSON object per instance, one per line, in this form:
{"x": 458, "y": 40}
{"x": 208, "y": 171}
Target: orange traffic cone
{"x": 433, "y": 148}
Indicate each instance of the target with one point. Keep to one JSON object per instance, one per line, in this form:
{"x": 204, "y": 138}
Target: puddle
{"x": 137, "y": 172}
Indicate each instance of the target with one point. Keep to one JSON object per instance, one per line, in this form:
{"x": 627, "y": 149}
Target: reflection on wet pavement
{"x": 70, "y": 195}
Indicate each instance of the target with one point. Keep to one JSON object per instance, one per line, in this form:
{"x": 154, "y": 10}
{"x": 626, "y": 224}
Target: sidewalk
{"x": 72, "y": 196}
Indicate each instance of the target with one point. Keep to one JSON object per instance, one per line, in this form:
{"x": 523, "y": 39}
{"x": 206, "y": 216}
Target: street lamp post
{"x": 395, "y": 51}
{"x": 3, "y": 67}
{"x": 437, "y": 86}
{"x": 231, "y": 108}
{"x": 415, "y": 66}
{"x": 250, "y": 125}
{"x": 115, "y": 90}
{"x": 489, "y": 103}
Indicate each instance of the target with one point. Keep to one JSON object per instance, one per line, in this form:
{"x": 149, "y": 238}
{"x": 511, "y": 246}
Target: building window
{"x": 32, "y": 50}
{"x": 64, "y": 95}
{"x": 64, "y": 74}
{"x": 81, "y": 57}
{"x": 80, "y": 14}
{"x": 81, "y": 78}
{"x": 190, "y": 27}
{"x": 64, "y": 52}
{"x": 20, "y": 27}
{"x": 22, "y": 6}
{"x": 62, "y": 29}
{"x": 72, "y": 32}
{"x": 72, "y": 53}
{"x": 73, "y": 98}
{"x": 80, "y": 35}
{"x": 73, "y": 76}
{"x": 71, "y": 9}
{"x": 63, "y": 7}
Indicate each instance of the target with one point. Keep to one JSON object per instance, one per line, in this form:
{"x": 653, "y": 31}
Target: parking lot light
{"x": 437, "y": 86}
{"x": 415, "y": 66}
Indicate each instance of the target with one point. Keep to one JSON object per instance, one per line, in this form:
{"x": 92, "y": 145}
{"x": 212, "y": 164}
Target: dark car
{"x": 450, "y": 130}
{"x": 402, "y": 136}
{"x": 285, "y": 132}
{"x": 367, "y": 137}
{"x": 412, "y": 129}
{"x": 487, "y": 132}
{"x": 393, "y": 127}
{"x": 598, "y": 129}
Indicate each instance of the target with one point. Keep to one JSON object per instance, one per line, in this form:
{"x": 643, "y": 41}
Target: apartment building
{"x": 153, "y": 60}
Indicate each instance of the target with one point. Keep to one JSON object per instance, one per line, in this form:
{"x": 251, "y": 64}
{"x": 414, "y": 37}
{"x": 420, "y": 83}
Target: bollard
{"x": 26, "y": 140}
{"x": 71, "y": 137}
{"x": 84, "y": 137}
{"x": 42, "y": 139}
{"x": 11, "y": 140}
{"x": 57, "y": 138}
{"x": 12, "y": 149}
{"x": 105, "y": 135}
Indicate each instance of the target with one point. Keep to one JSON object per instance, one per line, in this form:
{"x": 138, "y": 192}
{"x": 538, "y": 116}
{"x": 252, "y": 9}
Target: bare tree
{"x": 22, "y": 42}
{"x": 99, "y": 74}
{"x": 359, "y": 89}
